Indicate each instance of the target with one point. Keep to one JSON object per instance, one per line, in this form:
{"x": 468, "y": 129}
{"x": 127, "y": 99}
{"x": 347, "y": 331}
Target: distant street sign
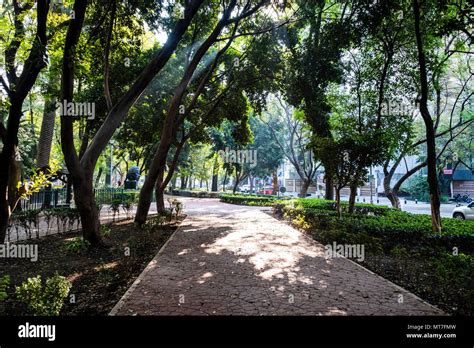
{"x": 448, "y": 172}
{"x": 282, "y": 189}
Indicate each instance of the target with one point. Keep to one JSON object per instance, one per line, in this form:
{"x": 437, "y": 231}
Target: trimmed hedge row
{"x": 254, "y": 200}
{"x": 393, "y": 227}
{"x": 317, "y": 203}
{"x": 196, "y": 194}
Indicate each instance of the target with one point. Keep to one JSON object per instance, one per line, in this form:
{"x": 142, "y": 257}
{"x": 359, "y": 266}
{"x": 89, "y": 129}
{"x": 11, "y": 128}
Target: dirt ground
{"x": 99, "y": 276}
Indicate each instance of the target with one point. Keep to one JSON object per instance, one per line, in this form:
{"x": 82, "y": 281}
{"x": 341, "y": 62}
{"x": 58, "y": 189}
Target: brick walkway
{"x": 233, "y": 260}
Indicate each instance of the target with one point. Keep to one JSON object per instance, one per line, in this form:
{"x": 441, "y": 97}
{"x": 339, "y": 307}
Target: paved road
{"x": 411, "y": 206}
{"x": 236, "y": 260}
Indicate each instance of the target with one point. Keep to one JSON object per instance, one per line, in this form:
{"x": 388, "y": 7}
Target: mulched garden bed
{"x": 99, "y": 276}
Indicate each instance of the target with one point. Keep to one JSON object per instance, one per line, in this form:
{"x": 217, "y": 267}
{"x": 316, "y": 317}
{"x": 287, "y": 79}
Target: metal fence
{"x": 53, "y": 198}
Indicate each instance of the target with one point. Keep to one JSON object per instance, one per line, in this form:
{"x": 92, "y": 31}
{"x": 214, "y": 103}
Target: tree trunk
{"x": 170, "y": 124}
{"x": 394, "y": 199}
{"x": 160, "y": 198}
{"x": 237, "y": 181}
{"x": 85, "y": 204}
{"x": 352, "y": 197}
{"x": 391, "y": 194}
{"x": 329, "y": 194}
{"x": 275, "y": 183}
{"x": 46, "y": 134}
{"x": 225, "y": 180}
{"x": 4, "y": 213}
{"x": 304, "y": 187}
{"x": 429, "y": 126}
{"x": 215, "y": 175}
{"x": 20, "y": 86}
{"x": 13, "y": 178}
{"x": 97, "y": 178}
{"x": 338, "y": 202}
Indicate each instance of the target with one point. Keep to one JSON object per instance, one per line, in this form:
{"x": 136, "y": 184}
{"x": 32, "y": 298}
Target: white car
{"x": 464, "y": 212}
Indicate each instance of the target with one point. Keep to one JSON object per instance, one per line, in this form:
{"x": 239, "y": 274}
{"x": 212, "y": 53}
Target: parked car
{"x": 267, "y": 190}
{"x": 244, "y": 188}
{"x": 464, "y": 212}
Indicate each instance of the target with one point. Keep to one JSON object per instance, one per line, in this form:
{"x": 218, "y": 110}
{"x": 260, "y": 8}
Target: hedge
{"x": 196, "y": 194}
{"x": 254, "y": 200}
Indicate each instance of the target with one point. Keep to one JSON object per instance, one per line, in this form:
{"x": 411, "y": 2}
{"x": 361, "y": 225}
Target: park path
{"x": 236, "y": 260}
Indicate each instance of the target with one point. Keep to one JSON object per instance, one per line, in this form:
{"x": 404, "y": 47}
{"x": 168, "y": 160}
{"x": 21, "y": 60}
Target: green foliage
{"x": 195, "y": 193}
{"x": 4, "y": 284}
{"x": 105, "y": 230}
{"x": 418, "y": 188}
{"x": 38, "y": 180}
{"x": 156, "y": 222}
{"x": 455, "y": 274}
{"x": 77, "y": 245}
{"x": 44, "y": 300}
{"x": 252, "y": 200}
{"x": 393, "y": 227}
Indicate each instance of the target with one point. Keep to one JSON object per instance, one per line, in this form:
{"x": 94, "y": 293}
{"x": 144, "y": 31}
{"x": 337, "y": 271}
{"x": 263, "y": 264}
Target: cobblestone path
{"x": 235, "y": 260}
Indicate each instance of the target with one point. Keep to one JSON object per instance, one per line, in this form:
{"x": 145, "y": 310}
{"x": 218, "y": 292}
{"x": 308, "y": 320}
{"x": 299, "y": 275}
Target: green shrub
{"x": 77, "y": 245}
{"x": 4, "y": 284}
{"x": 155, "y": 222}
{"x": 455, "y": 275}
{"x": 47, "y": 300}
{"x": 252, "y": 200}
{"x": 194, "y": 193}
{"x": 391, "y": 227}
{"x": 105, "y": 230}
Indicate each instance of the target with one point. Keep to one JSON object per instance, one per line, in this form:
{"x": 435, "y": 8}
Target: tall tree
{"x": 17, "y": 88}
{"x": 82, "y": 167}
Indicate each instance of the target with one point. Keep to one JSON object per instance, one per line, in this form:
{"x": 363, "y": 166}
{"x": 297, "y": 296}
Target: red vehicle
{"x": 267, "y": 190}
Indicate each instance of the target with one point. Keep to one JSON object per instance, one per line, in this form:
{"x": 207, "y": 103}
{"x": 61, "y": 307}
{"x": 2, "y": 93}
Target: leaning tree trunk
{"x": 429, "y": 126}
{"x": 159, "y": 193}
{"x": 352, "y": 197}
{"x": 45, "y": 141}
{"x": 234, "y": 189}
{"x": 391, "y": 194}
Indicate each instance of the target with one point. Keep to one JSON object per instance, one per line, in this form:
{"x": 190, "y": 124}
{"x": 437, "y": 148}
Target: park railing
{"x": 54, "y": 198}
